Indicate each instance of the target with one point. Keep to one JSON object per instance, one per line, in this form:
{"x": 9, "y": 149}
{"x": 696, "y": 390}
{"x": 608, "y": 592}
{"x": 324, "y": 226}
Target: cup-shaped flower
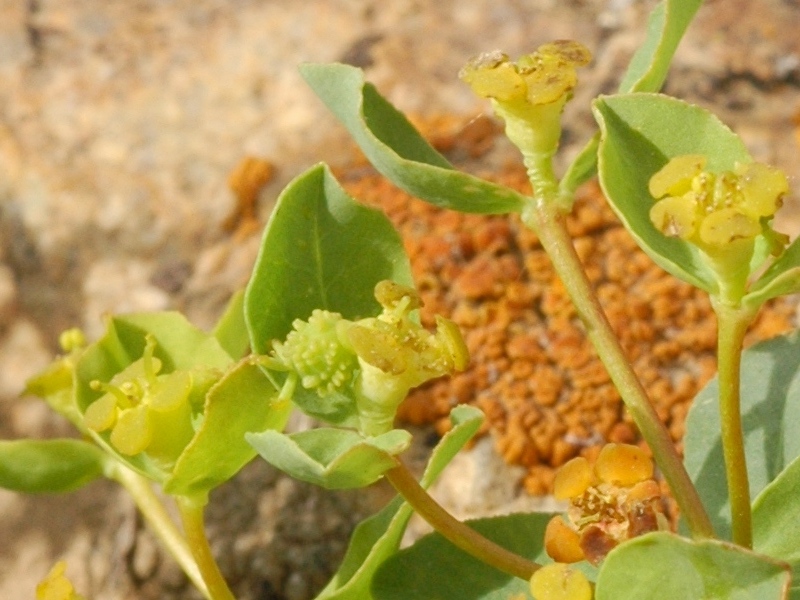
{"x": 396, "y": 354}
{"x": 612, "y": 500}
{"x": 146, "y": 411}
{"x": 720, "y": 213}
{"x": 529, "y": 94}
{"x": 375, "y": 361}
{"x": 56, "y": 585}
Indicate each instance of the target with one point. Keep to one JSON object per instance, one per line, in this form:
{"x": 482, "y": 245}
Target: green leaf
{"x": 433, "y": 568}
{"x": 179, "y": 346}
{"x": 781, "y": 278}
{"x": 231, "y": 329}
{"x": 663, "y": 566}
{"x": 48, "y": 466}
{"x": 241, "y": 402}
{"x": 397, "y": 150}
{"x": 770, "y": 392}
{"x": 322, "y": 250}
{"x": 331, "y": 458}
{"x": 646, "y": 73}
{"x": 377, "y": 538}
{"x": 776, "y": 521}
{"x": 665, "y": 28}
{"x": 640, "y": 133}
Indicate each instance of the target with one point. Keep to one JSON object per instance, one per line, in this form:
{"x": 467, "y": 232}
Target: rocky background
{"x": 119, "y": 125}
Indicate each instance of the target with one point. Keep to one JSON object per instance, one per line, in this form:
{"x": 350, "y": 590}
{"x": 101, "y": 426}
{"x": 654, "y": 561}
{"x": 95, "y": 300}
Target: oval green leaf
{"x": 48, "y": 466}
{"x": 646, "y": 73}
{"x": 663, "y": 566}
{"x": 331, "y": 458}
{"x": 377, "y": 538}
{"x": 397, "y": 150}
{"x": 639, "y": 134}
{"x": 770, "y": 392}
{"x": 321, "y": 249}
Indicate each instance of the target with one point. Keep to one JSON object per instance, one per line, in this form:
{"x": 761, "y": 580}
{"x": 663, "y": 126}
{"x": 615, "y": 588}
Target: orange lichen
{"x": 545, "y": 393}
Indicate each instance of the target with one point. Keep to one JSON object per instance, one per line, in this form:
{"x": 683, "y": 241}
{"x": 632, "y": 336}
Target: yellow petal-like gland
{"x": 490, "y": 75}
{"x": 675, "y": 178}
{"x": 569, "y": 51}
{"x": 549, "y": 80}
{"x": 450, "y": 336}
{"x": 726, "y": 225}
{"x": 101, "y": 414}
{"x": 561, "y": 542}
{"x": 132, "y": 433}
{"x": 644, "y": 491}
{"x": 572, "y": 478}
{"x": 170, "y": 391}
{"x": 623, "y": 464}
{"x": 763, "y": 188}
{"x": 71, "y": 339}
{"x": 675, "y": 216}
{"x": 559, "y": 582}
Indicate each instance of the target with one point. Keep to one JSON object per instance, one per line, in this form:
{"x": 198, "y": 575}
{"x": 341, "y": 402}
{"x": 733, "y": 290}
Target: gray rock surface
{"x": 119, "y": 124}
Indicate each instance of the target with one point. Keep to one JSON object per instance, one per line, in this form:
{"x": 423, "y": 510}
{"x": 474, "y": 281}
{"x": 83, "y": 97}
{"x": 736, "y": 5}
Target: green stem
{"x": 192, "y": 517}
{"x": 545, "y": 218}
{"x": 732, "y": 326}
{"x": 455, "y": 531}
{"x": 159, "y": 521}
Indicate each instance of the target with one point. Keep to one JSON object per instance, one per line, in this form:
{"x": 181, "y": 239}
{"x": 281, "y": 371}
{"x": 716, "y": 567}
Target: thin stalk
{"x": 192, "y": 518}
{"x": 545, "y": 218}
{"x": 455, "y": 531}
{"x": 732, "y": 325}
{"x": 159, "y": 521}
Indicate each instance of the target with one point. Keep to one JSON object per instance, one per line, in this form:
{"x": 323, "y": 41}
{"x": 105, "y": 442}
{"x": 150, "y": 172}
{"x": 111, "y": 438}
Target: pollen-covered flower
{"x": 144, "y": 409}
{"x": 614, "y": 500}
{"x": 714, "y": 210}
{"x": 376, "y": 360}
{"x": 56, "y": 586}
{"x": 529, "y": 94}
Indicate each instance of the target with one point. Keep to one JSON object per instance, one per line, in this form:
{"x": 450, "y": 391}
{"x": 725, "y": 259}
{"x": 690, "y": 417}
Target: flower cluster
{"x": 529, "y": 94}
{"x": 377, "y": 360}
{"x": 614, "y": 500}
{"x": 714, "y": 210}
{"x": 145, "y": 410}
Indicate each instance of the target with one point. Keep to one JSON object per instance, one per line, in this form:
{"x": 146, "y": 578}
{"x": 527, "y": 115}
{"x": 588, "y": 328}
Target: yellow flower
{"x": 144, "y": 410}
{"x": 613, "y": 500}
{"x": 529, "y": 94}
{"x": 714, "y": 210}
{"x": 56, "y": 586}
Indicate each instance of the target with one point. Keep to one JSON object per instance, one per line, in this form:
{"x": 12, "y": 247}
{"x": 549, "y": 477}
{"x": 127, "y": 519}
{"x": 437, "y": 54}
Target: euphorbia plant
{"x": 328, "y": 325}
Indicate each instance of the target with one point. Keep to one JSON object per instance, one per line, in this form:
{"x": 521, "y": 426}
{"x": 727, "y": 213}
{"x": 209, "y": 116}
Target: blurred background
{"x": 120, "y": 123}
